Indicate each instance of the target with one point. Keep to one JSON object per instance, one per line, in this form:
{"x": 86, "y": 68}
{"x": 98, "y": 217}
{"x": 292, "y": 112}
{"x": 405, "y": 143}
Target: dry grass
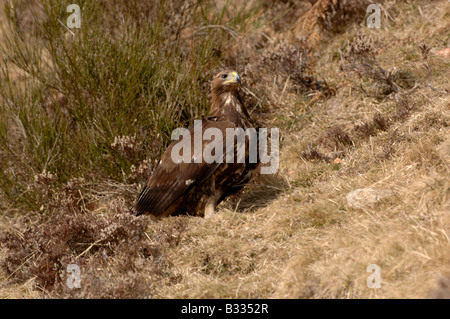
{"x": 293, "y": 235}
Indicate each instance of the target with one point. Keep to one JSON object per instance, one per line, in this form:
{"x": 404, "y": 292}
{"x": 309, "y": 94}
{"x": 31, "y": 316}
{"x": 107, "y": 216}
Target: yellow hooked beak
{"x": 234, "y": 78}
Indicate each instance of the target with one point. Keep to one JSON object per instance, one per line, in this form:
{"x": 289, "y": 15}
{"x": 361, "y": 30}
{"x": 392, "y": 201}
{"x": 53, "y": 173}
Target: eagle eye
{"x": 224, "y": 76}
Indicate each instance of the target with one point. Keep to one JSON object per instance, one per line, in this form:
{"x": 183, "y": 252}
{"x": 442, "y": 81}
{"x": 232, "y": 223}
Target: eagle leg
{"x": 211, "y": 203}
{"x": 210, "y": 207}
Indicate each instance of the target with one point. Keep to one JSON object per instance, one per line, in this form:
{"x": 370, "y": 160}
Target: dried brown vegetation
{"x": 294, "y": 63}
{"x": 331, "y": 15}
{"x": 361, "y": 59}
{"x": 117, "y": 255}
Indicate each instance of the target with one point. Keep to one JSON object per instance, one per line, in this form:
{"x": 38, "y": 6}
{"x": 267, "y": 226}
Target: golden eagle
{"x": 196, "y": 184}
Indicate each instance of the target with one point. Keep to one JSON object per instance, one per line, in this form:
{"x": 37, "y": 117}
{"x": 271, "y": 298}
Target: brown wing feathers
{"x": 168, "y": 182}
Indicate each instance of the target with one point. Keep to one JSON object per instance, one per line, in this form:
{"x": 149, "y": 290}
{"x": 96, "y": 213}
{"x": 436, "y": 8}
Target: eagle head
{"x": 225, "y": 81}
{"x": 225, "y": 96}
